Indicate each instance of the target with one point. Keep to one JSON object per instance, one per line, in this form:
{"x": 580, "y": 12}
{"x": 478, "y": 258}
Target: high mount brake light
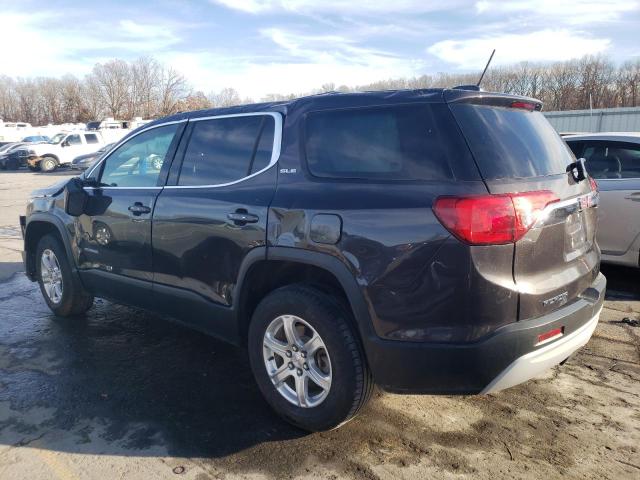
{"x": 492, "y": 219}
{"x": 524, "y": 105}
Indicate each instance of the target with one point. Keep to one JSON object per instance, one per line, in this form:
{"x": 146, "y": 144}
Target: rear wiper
{"x": 578, "y": 170}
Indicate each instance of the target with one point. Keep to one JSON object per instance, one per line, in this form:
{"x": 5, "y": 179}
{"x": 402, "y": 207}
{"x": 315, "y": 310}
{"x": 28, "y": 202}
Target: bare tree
{"x": 113, "y": 79}
{"x": 227, "y": 97}
{"x": 172, "y": 89}
{"x": 147, "y": 88}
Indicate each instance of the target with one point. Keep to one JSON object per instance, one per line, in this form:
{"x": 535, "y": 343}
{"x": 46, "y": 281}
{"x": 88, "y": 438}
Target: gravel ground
{"x": 126, "y": 394}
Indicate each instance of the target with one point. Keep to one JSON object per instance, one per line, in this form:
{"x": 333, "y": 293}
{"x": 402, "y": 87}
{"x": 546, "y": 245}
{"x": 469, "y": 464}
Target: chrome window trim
{"x": 275, "y": 152}
{"x": 120, "y": 188}
{"x": 126, "y": 139}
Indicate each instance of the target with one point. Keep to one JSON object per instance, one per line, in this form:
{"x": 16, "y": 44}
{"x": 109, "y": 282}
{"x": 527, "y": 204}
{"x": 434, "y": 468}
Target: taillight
{"x": 492, "y": 219}
{"x": 524, "y": 105}
{"x": 594, "y": 184}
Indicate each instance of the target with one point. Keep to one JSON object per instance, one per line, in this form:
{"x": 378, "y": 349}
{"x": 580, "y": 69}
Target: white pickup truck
{"x": 62, "y": 149}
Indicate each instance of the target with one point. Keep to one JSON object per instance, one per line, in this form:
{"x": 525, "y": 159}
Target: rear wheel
{"x": 34, "y": 168}
{"x": 306, "y": 359}
{"x": 48, "y": 164}
{"x": 63, "y": 293}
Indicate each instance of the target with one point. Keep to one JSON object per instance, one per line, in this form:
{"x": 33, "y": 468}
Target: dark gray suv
{"x": 428, "y": 241}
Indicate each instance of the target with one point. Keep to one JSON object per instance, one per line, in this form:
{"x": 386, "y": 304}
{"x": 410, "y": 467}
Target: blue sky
{"x": 293, "y": 46}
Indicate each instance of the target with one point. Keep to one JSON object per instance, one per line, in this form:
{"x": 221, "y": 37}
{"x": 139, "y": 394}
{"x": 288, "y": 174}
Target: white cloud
{"x": 575, "y": 12}
{"x": 544, "y": 45}
{"x": 306, "y": 62}
{"x": 340, "y": 6}
{"x": 44, "y": 51}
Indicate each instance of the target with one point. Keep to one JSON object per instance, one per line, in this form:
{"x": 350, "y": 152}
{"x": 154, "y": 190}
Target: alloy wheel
{"x": 297, "y": 361}
{"x": 51, "y": 275}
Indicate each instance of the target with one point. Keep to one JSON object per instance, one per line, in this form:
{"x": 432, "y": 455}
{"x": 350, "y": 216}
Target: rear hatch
{"x": 518, "y": 151}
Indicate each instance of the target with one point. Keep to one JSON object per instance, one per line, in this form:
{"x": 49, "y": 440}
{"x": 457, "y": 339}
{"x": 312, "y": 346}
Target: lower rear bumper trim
{"x": 540, "y": 360}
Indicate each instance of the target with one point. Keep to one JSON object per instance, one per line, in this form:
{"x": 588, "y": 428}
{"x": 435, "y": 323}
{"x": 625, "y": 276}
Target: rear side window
{"x": 91, "y": 138}
{"x": 417, "y": 142}
{"x": 512, "y": 143}
{"x": 224, "y": 150}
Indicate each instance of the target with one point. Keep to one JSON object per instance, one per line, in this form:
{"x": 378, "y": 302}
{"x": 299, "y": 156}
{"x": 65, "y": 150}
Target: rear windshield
{"x": 417, "y": 142}
{"x": 509, "y": 142}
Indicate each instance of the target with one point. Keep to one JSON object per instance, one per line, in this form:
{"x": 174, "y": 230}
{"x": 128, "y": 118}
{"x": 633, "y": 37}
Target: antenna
{"x": 485, "y": 68}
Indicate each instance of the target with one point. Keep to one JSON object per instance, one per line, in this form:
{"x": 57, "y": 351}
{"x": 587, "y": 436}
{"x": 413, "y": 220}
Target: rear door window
{"x": 416, "y": 142}
{"x": 224, "y": 150}
{"x": 612, "y": 159}
{"x": 512, "y": 143}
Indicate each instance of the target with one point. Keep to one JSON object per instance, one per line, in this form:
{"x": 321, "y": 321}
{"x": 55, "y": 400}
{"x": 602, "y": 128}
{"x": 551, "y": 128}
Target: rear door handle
{"x": 242, "y": 218}
{"x": 138, "y": 208}
{"x": 634, "y": 197}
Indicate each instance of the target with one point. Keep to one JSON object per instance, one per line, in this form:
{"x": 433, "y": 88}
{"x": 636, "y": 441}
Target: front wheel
{"x": 63, "y": 293}
{"x": 306, "y": 358}
{"x": 48, "y": 164}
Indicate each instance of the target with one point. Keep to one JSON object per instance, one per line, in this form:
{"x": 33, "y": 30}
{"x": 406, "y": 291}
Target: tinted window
{"x": 576, "y": 148}
{"x": 227, "y": 149}
{"x": 509, "y": 142}
{"x": 74, "y": 140}
{"x": 612, "y": 160}
{"x": 91, "y": 138}
{"x": 137, "y": 162}
{"x": 391, "y": 143}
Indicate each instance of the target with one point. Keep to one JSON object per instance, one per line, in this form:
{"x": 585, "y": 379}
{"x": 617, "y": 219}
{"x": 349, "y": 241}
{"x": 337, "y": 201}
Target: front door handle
{"x": 242, "y": 217}
{"x": 138, "y": 209}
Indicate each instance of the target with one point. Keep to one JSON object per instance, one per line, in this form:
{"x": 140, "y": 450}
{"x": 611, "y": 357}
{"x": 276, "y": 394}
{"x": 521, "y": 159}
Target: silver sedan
{"x": 613, "y": 159}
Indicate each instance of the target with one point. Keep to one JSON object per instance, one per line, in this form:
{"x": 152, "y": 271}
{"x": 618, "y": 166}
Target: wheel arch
{"x": 296, "y": 266}
{"x": 38, "y": 226}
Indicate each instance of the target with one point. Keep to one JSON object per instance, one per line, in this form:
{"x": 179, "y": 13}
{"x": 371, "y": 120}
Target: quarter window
{"x": 137, "y": 163}
{"x": 388, "y": 143}
{"x": 224, "y": 150}
{"x": 91, "y": 138}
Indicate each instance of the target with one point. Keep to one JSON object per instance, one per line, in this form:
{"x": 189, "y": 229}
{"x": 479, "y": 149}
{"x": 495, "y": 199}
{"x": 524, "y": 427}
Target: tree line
{"x": 147, "y": 88}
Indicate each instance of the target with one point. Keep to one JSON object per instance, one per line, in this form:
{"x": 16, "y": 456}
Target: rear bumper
{"x": 536, "y": 362}
{"x": 508, "y": 356}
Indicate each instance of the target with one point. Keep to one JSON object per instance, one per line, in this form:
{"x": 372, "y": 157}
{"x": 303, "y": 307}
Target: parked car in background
{"x": 62, "y": 149}
{"x": 613, "y": 159}
{"x": 36, "y": 139}
{"x": 431, "y": 241}
{"x": 13, "y": 156}
{"x": 14, "y": 131}
{"x": 82, "y": 162}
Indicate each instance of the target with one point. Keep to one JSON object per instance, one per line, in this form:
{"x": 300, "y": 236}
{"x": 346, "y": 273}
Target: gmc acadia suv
{"x": 430, "y": 241}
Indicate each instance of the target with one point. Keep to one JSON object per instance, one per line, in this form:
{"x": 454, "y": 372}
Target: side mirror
{"x": 75, "y": 198}
{"x": 65, "y": 143}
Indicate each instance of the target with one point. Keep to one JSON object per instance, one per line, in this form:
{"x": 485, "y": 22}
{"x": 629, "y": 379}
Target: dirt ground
{"x": 126, "y": 394}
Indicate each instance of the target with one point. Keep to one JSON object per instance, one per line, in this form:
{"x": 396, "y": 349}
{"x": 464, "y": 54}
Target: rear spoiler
{"x": 491, "y": 99}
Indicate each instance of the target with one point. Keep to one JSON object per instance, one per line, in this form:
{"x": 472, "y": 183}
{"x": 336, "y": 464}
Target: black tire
{"x": 75, "y": 300}
{"x": 35, "y": 168}
{"x": 351, "y": 381}
{"x": 48, "y": 164}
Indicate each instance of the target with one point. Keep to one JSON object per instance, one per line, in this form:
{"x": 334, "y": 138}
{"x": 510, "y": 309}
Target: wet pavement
{"x": 122, "y": 393}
